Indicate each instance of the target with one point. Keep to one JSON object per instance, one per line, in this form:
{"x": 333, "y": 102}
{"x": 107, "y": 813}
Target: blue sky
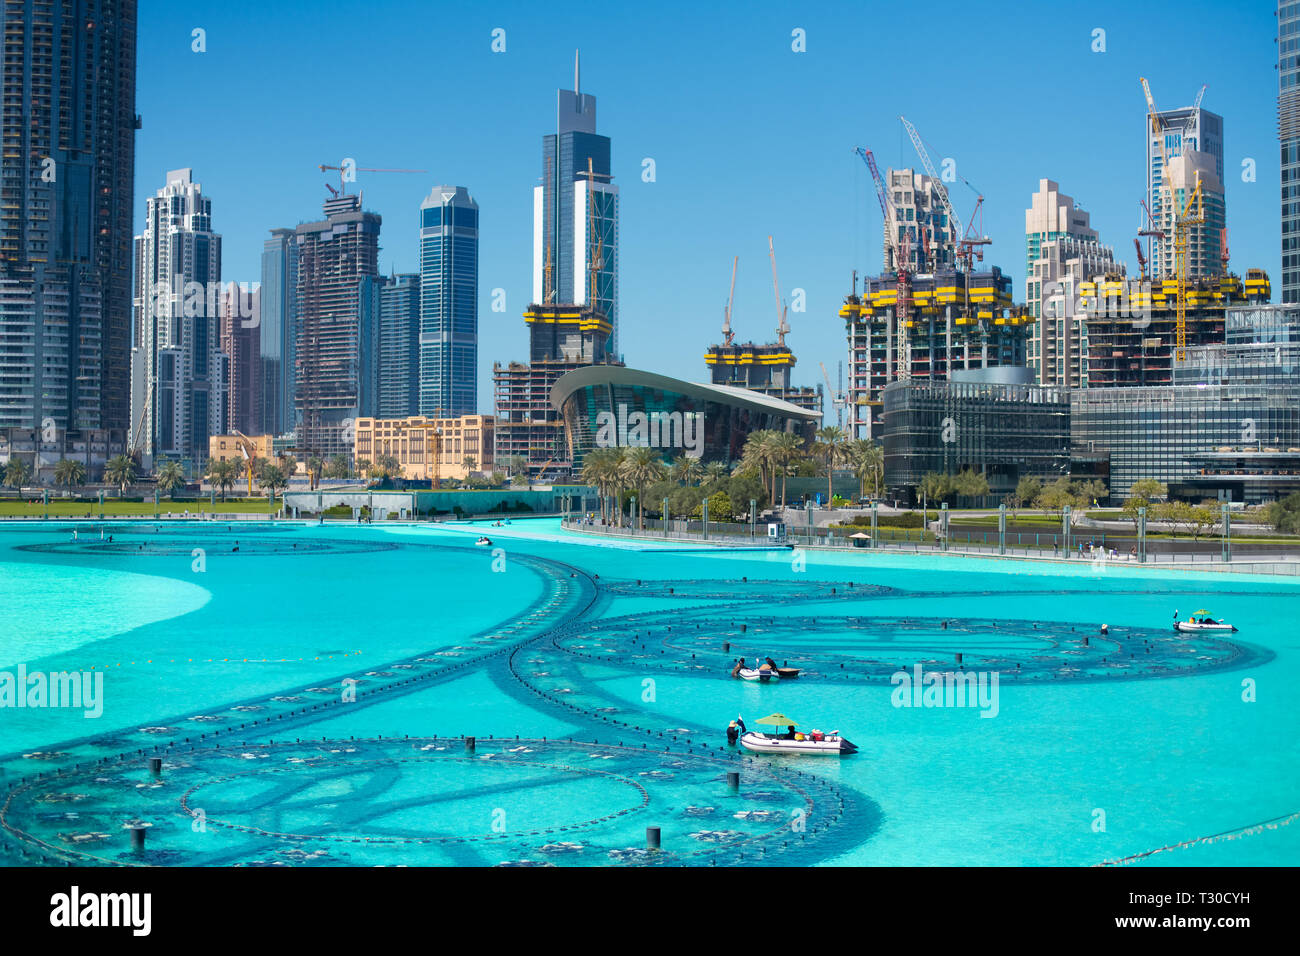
{"x": 748, "y": 137}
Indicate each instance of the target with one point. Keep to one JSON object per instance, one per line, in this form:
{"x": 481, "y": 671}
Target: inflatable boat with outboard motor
{"x": 794, "y": 742}
{"x": 1200, "y": 622}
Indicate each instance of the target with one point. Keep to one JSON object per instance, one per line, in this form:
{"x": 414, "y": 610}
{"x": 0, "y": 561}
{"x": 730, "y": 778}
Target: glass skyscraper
{"x": 278, "y": 329}
{"x": 399, "y": 346}
{"x": 65, "y": 221}
{"x": 448, "y": 369}
{"x": 1288, "y": 131}
{"x": 575, "y": 213}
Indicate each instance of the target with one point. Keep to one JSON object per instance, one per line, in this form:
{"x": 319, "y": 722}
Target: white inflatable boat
{"x": 816, "y": 743}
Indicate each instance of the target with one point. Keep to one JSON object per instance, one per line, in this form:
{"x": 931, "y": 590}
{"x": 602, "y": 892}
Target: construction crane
{"x": 901, "y": 250}
{"x": 343, "y": 170}
{"x": 434, "y": 435}
{"x": 727, "y": 335}
{"x": 1192, "y": 214}
{"x": 837, "y": 397}
{"x": 249, "y": 451}
{"x": 139, "y": 425}
{"x": 1142, "y": 260}
{"x": 598, "y": 260}
{"x": 1223, "y": 248}
{"x": 781, "y": 327}
{"x": 968, "y": 243}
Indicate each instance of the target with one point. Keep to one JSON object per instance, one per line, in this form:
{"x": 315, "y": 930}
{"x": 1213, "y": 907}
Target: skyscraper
{"x": 448, "y": 303}
{"x": 399, "y": 346}
{"x": 575, "y": 213}
{"x": 1193, "y": 141}
{"x": 337, "y": 304}
{"x": 242, "y": 357}
{"x": 1061, "y": 251}
{"x": 1288, "y": 132}
{"x": 278, "y": 329}
{"x": 65, "y": 221}
{"x": 177, "y": 383}
{"x": 918, "y": 212}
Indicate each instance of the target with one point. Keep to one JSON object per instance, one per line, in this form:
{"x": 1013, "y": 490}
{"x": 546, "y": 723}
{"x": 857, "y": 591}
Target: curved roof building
{"x": 610, "y": 406}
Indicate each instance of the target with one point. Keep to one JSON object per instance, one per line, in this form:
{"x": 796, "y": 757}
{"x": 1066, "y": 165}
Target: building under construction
{"x": 1133, "y": 327}
{"x": 953, "y": 320}
{"x": 562, "y": 338}
{"x": 759, "y": 368}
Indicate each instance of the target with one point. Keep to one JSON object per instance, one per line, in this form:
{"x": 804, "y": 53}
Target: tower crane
{"x": 781, "y": 326}
{"x": 342, "y": 170}
{"x": 901, "y": 251}
{"x": 1192, "y": 214}
{"x": 837, "y": 397}
{"x": 727, "y": 335}
{"x": 967, "y": 243}
{"x": 249, "y": 451}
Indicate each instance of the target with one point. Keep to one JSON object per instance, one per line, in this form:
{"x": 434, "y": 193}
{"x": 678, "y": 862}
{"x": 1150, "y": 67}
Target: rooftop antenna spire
{"x": 577, "y": 88}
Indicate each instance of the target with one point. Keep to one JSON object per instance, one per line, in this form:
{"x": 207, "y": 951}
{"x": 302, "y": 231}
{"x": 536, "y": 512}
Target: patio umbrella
{"x": 777, "y": 720}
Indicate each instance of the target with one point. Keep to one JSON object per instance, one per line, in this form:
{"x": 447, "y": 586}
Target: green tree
{"x": 469, "y": 463}
{"x": 338, "y": 467}
{"x": 1055, "y": 497}
{"x": 120, "y": 471}
{"x": 970, "y": 484}
{"x": 638, "y": 468}
{"x": 170, "y": 477}
{"x": 830, "y": 449}
{"x": 1284, "y": 514}
{"x": 69, "y": 472}
{"x": 223, "y": 475}
{"x": 936, "y": 486}
{"x": 868, "y": 462}
{"x": 789, "y": 449}
{"x": 600, "y": 470}
{"x": 17, "y": 473}
{"x": 273, "y": 479}
{"x": 687, "y": 469}
{"x": 1028, "y": 488}
{"x": 714, "y": 472}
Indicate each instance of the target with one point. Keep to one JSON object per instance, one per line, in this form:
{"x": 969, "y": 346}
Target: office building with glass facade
{"x": 448, "y": 366}
{"x": 997, "y": 421}
{"x": 278, "y": 329}
{"x": 1164, "y": 432}
{"x": 610, "y": 406}
{"x": 1288, "y": 134}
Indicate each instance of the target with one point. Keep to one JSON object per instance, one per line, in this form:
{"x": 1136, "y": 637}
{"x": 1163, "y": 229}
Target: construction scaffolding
{"x": 952, "y": 320}
{"x": 1133, "y": 332}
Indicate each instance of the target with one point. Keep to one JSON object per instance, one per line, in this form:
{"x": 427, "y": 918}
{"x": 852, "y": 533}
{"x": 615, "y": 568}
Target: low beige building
{"x": 230, "y": 447}
{"x": 410, "y": 441}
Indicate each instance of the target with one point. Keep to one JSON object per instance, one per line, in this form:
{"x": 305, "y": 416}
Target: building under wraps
{"x": 955, "y": 321}
{"x": 1133, "y": 326}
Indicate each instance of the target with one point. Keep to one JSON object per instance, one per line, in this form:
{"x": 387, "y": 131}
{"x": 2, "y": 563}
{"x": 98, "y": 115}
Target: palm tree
{"x": 17, "y": 472}
{"x": 687, "y": 470}
{"x": 787, "y": 449}
{"x": 469, "y": 463}
{"x": 600, "y": 470}
{"x": 69, "y": 472}
{"x": 640, "y": 467}
{"x": 868, "y": 461}
{"x": 223, "y": 474}
{"x": 338, "y": 467}
{"x": 760, "y": 455}
{"x": 170, "y": 477}
{"x": 120, "y": 471}
{"x": 830, "y": 448}
{"x": 386, "y": 466}
{"x": 272, "y": 478}
{"x": 714, "y": 472}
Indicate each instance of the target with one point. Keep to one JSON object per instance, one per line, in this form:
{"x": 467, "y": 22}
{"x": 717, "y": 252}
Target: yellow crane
{"x": 433, "y": 447}
{"x": 249, "y": 451}
{"x": 1191, "y": 215}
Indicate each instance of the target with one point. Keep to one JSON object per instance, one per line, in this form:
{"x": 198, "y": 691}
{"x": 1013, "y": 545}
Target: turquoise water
{"x": 619, "y": 694}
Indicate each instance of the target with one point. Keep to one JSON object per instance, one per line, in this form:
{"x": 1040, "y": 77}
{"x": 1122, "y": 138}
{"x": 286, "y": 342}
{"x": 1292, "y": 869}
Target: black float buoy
{"x": 959, "y": 657}
{"x": 652, "y": 838}
{"x": 733, "y": 779}
{"x": 726, "y": 646}
{"x": 137, "y": 838}
{"x": 155, "y": 765}
{"x": 470, "y": 743}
